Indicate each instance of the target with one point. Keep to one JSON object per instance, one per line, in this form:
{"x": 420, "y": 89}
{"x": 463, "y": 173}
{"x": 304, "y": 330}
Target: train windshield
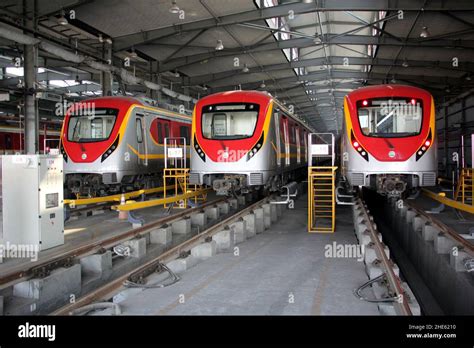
{"x": 229, "y": 121}
{"x": 92, "y": 125}
{"x": 390, "y": 118}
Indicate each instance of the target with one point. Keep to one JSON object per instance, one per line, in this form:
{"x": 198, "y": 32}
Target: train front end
{"x": 228, "y": 150}
{"x": 91, "y": 140}
{"x": 389, "y": 141}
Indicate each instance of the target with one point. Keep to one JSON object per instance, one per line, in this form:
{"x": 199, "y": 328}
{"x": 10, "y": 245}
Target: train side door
{"x": 277, "y": 147}
{"x": 141, "y": 144}
{"x": 286, "y": 139}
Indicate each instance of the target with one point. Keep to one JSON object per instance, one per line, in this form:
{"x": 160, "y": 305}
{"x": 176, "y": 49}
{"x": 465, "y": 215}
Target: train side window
{"x": 160, "y": 133}
{"x": 167, "y": 130}
{"x": 292, "y": 133}
{"x": 139, "y": 130}
{"x": 184, "y": 133}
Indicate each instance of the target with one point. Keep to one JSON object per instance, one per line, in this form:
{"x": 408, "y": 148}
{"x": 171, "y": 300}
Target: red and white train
{"x": 114, "y": 144}
{"x": 389, "y": 139}
{"x": 246, "y": 140}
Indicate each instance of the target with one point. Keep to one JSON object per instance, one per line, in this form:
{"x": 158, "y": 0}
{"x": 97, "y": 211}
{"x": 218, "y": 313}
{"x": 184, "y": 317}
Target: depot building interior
{"x": 263, "y": 157}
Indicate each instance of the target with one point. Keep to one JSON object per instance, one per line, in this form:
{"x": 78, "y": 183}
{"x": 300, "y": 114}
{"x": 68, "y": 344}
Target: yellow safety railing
{"x": 321, "y": 199}
{"x": 112, "y": 198}
{"x": 177, "y": 179}
{"x": 464, "y": 189}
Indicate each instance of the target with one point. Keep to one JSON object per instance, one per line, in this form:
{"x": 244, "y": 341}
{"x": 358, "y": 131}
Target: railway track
{"x": 433, "y": 258}
{"x": 65, "y": 258}
{"x": 391, "y": 293}
{"x": 108, "y": 290}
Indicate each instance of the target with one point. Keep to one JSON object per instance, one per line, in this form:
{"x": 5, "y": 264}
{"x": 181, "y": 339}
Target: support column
{"x": 155, "y": 78}
{"x": 30, "y": 61}
{"x": 106, "y": 77}
{"x": 446, "y": 142}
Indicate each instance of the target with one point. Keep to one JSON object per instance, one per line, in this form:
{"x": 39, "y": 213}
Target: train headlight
{"x": 253, "y": 151}
{"x": 199, "y": 151}
{"x": 356, "y": 145}
{"x": 424, "y": 147}
{"x": 110, "y": 149}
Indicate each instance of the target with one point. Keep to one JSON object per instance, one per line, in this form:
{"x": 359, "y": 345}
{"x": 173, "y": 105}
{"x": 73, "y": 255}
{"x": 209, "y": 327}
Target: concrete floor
{"x": 282, "y": 271}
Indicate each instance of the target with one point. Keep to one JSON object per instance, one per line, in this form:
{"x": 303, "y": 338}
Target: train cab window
{"x": 139, "y": 129}
{"x": 184, "y": 133}
{"x": 91, "y": 125}
{"x": 160, "y": 133}
{"x": 390, "y": 118}
{"x": 229, "y": 121}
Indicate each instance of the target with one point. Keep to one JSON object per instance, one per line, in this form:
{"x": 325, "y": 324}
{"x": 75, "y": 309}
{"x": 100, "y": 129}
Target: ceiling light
{"x": 245, "y": 69}
{"x": 308, "y": 1}
{"x": 204, "y": 87}
{"x": 220, "y": 45}
{"x": 62, "y": 20}
{"x": 176, "y": 74}
{"x": 424, "y": 32}
{"x": 468, "y": 77}
{"x": 174, "y": 7}
{"x": 109, "y": 41}
{"x": 263, "y": 85}
{"x": 448, "y": 90}
{"x": 405, "y": 63}
{"x": 317, "y": 39}
{"x": 133, "y": 54}
{"x": 101, "y": 38}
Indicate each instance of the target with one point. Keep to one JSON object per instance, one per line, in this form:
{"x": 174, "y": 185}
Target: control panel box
{"x": 32, "y": 200}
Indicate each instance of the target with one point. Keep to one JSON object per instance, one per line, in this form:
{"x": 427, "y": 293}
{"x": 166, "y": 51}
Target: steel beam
{"x": 282, "y": 10}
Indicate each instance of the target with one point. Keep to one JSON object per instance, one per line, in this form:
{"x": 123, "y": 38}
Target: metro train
{"x": 116, "y": 144}
{"x": 389, "y": 139}
{"x": 244, "y": 141}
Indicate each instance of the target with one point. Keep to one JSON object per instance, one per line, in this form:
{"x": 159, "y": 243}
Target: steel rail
{"x": 448, "y": 231}
{"x": 394, "y": 281}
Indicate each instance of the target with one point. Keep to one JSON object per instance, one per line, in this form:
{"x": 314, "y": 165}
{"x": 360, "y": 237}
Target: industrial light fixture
{"x": 219, "y": 46}
{"x": 176, "y": 74}
{"x": 468, "y": 77}
{"x": 263, "y": 85}
{"x": 62, "y": 20}
{"x": 174, "y": 7}
{"x": 133, "y": 54}
{"x": 245, "y": 69}
{"x": 317, "y": 39}
{"x": 424, "y": 32}
{"x": 109, "y": 41}
{"x": 204, "y": 87}
{"x": 447, "y": 90}
{"x": 393, "y": 80}
{"x": 101, "y": 38}
{"x": 405, "y": 63}
{"x": 308, "y": 1}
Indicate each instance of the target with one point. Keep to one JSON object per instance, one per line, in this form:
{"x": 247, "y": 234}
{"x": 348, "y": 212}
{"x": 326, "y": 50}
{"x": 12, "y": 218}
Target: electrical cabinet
{"x": 32, "y": 200}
